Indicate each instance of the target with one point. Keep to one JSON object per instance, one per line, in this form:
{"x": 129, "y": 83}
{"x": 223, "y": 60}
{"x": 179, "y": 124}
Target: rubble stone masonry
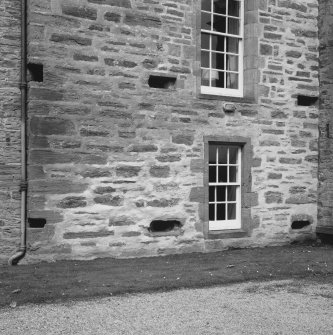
{"x": 325, "y": 194}
{"x": 108, "y": 154}
{"x": 10, "y": 161}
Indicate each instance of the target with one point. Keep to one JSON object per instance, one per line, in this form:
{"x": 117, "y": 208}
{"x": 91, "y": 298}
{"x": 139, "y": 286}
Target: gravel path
{"x": 277, "y": 307}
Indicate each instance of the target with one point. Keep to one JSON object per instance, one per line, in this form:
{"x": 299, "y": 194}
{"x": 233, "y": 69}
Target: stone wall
{"x": 108, "y": 154}
{"x": 9, "y": 127}
{"x": 326, "y": 118}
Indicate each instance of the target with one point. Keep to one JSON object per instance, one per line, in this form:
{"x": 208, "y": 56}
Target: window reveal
{"x": 222, "y": 47}
{"x": 224, "y": 186}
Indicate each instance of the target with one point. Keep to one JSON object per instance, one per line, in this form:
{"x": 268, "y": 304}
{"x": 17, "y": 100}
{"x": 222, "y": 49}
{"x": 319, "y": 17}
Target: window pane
{"x": 223, "y": 170}
{"x": 233, "y": 155}
{"x": 232, "y": 80}
{"x": 217, "y": 61}
{"x": 217, "y": 43}
{"x": 212, "y": 154}
{"x": 233, "y": 26}
{"x": 223, "y": 154}
{"x": 219, "y": 24}
{"x": 234, "y": 8}
{"x": 232, "y": 63}
{"x": 206, "y": 5}
{"x": 232, "y": 174}
{"x": 220, "y": 193}
{"x": 204, "y": 77}
{"x": 205, "y": 41}
{"x": 220, "y": 6}
{"x": 204, "y": 58}
{"x": 206, "y": 21}
{"x": 211, "y": 212}
{"x": 217, "y": 79}
{"x": 212, "y": 174}
{"x": 231, "y": 193}
{"x": 220, "y": 212}
{"x": 211, "y": 193}
{"x": 231, "y": 211}
{"x": 232, "y": 45}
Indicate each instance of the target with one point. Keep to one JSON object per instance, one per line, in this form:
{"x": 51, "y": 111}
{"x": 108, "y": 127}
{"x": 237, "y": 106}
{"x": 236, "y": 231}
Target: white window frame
{"x": 214, "y": 225}
{"x": 227, "y": 91}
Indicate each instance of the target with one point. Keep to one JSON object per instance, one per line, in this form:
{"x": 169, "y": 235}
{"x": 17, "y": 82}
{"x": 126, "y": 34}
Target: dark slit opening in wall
{"x": 36, "y": 222}
{"x": 161, "y": 82}
{"x": 300, "y": 224}
{"x": 304, "y": 100}
{"x": 163, "y": 225}
{"x": 35, "y": 72}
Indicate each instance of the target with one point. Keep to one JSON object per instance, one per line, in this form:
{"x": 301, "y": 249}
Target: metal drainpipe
{"x": 20, "y": 253}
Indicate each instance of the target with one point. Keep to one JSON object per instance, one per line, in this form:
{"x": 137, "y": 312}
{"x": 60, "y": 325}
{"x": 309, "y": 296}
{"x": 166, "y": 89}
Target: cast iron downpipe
{"x": 20, "y": 253}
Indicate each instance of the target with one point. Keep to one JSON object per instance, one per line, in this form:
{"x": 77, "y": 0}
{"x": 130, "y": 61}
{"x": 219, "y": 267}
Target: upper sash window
{"x": 222, "y": 38}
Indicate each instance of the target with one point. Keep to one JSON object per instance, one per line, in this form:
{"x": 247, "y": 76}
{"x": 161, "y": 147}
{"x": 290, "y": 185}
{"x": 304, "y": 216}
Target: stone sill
{"x": 224, "y": 234}
{"x": 175, "y": 232}
{"x": 36, "y": 230}
{"x": 226, "y": 98}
